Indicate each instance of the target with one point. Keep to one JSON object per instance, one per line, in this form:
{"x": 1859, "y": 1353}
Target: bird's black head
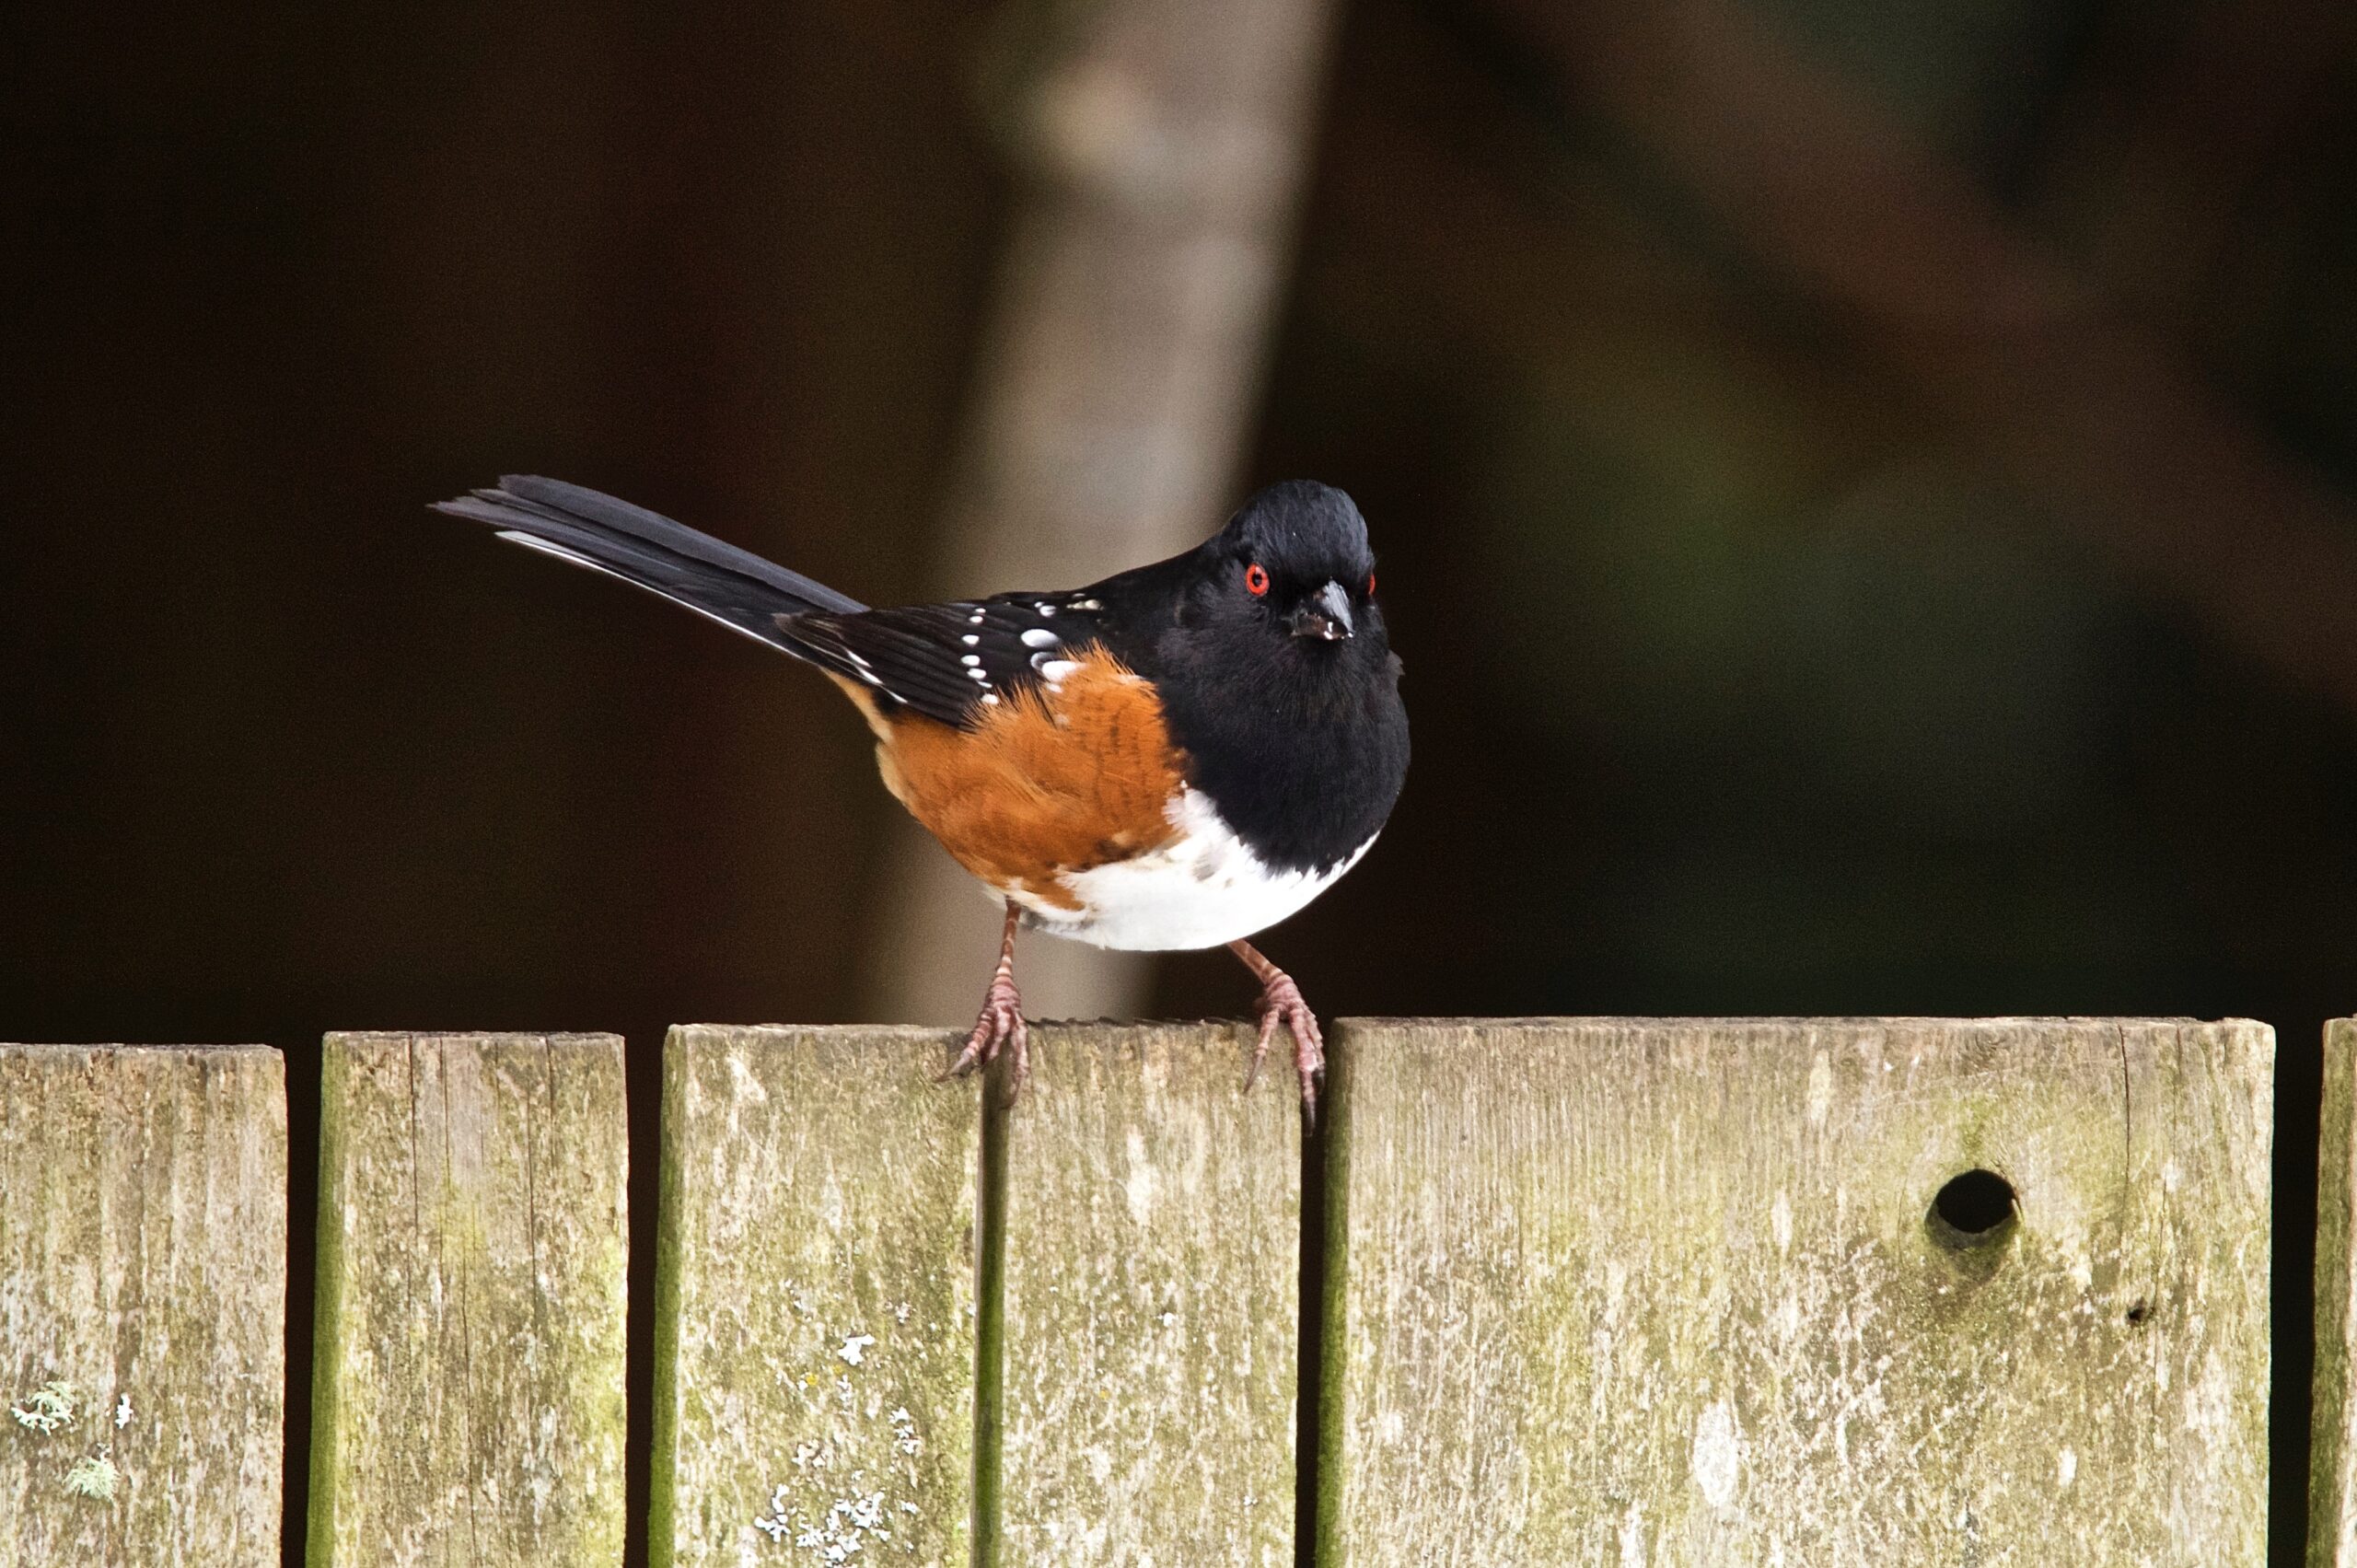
{"x": 1267, "y": 650}
{"x": 1295, "y": 559}
{"x": 1276, "y": 615}
{"x": 1278, "y": 679}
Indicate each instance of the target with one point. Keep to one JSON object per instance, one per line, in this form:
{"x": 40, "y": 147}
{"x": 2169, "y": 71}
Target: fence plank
{"x": 1666, "y": 1293}
{"x": 815, "y": 1299}
{"x": 2332, "y": 1450}
{"x": 142, "y": 1270}
{"x": 467, "y": 1400}
{"x": 1152, "y": 1302}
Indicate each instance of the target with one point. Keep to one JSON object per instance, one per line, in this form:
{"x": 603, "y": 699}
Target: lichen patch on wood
{"x": 815, "y": 1309}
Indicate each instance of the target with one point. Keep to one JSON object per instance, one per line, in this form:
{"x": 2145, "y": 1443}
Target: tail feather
{"x": 586, "y": 527}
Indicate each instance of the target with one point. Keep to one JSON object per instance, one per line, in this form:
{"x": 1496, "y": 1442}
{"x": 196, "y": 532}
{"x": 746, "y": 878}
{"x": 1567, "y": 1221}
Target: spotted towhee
{"x": 1176, "y": 757}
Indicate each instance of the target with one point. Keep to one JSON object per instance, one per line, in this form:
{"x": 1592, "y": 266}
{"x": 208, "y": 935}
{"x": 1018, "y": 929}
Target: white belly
{"x": 1205, "y": 889}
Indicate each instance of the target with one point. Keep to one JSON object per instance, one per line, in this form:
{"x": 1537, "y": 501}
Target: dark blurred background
{"x": 1865, "y": 493}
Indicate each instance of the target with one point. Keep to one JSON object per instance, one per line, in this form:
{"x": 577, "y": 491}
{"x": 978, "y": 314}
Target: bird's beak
{"x": 1325, "y": 615}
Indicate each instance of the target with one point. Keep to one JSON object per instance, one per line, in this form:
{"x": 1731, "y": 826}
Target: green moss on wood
{"x": 2332, "y": 1451}
{"x": 664, "y": 1438}
{"x": 327, "y": 1317}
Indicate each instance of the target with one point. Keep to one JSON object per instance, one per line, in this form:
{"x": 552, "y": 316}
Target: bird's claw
{"x": 1282, "y": 1005}
{"x": 999, "y": 1027}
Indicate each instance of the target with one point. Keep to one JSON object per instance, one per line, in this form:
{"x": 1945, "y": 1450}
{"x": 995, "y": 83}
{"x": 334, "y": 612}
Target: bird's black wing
{"x": 951, "y": 662}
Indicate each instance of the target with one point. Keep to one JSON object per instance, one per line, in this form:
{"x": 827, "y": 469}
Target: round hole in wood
{"x": 1974, "y": 1209}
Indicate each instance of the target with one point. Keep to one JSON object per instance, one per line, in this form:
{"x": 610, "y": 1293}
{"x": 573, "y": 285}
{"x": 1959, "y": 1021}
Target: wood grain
{"x": 1666, "y": 1292}
{"x": 467, "y": 1401}
{"x": 143, "y": 1263}
{"x": 1152, "y": 1302}
{"x": 815, "y": 1313}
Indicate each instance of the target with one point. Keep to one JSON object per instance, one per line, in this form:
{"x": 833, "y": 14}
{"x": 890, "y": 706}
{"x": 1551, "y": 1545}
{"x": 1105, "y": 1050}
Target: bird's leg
{"x": 1280, "y": 1002}
{"x": 1002, "y": 1020}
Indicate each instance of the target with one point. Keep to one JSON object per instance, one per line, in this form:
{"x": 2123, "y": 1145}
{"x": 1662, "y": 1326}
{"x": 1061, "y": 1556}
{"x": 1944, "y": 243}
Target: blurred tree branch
{"x": 1159, "y": 145}
{"x": 2168, "y": 135}
{"x": 2093, "y": 413}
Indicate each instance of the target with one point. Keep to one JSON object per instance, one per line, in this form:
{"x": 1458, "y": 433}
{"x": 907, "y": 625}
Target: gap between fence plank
{"x": 990, "y": 1328}
{"x": 1321, "y": 1518}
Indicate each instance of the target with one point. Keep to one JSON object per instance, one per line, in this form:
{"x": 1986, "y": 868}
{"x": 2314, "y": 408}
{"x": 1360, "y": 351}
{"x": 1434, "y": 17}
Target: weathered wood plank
{"x": 815, "y": 1312}
{"x": 1666, "y": 1292}
{"x": 2332, "y": 1450}
{"x": 142, "y": 1273}
{"x": 1152, "y": 1302}
{"x": 466, "y": 1391}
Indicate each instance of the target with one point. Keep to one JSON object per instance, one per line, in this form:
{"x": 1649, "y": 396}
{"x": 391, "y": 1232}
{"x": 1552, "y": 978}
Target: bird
{"x": 1176, "y": 757}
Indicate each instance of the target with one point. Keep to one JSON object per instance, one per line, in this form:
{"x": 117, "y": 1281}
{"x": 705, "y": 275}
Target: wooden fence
{"x": 1589, "y": 1291}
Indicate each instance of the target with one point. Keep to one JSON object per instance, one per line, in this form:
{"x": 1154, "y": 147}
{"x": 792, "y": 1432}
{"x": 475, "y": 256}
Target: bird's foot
{"x": 1001, "y": 1027}
{"x": 1282, "y": 1005}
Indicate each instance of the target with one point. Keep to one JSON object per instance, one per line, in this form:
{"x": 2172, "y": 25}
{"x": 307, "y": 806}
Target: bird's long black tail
{"x": 733, "y": 587}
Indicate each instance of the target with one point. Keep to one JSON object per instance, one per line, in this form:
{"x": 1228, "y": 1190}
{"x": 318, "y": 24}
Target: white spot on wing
{"x": 1055, "y": 669}
{"x": 1040, "y": 637}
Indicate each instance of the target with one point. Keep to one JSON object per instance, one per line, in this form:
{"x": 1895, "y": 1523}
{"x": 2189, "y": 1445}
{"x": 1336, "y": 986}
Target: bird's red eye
{"x": 1370, "y": 584}
{"x": 1256, "y": 578}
